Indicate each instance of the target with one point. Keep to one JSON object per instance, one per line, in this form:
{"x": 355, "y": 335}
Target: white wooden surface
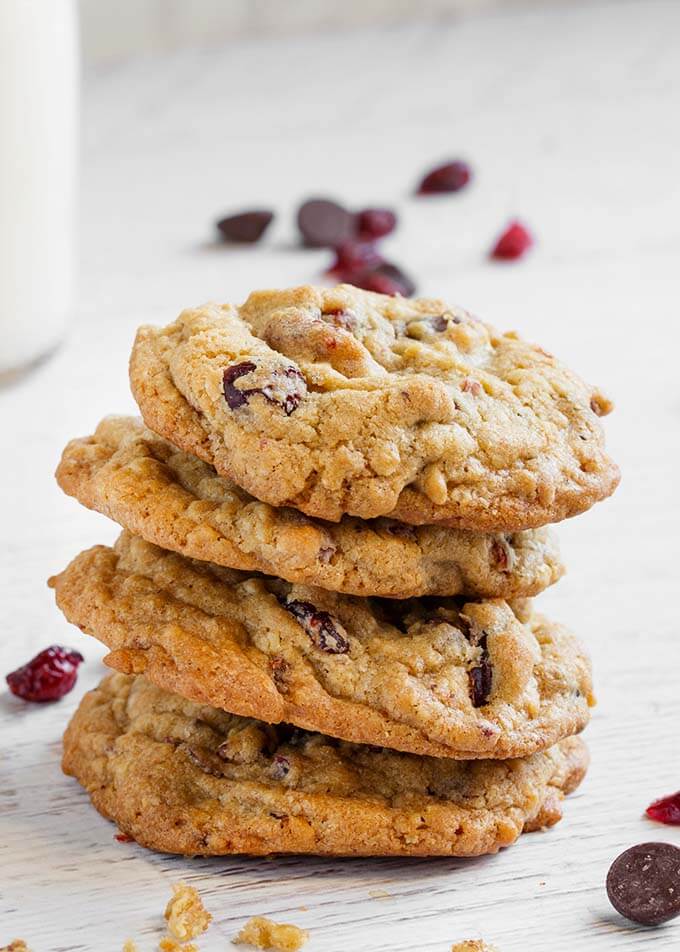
{"x": 570, "y": 118}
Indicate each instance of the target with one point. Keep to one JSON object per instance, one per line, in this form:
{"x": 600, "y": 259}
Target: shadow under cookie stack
{"x": 319, "y": 609}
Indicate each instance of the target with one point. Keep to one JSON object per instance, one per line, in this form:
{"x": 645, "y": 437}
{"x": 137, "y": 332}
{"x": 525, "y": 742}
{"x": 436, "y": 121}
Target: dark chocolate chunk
{"x": 325, "y": 224}
{"x": 245, "y": 227}
{"x": 643, "y": 883}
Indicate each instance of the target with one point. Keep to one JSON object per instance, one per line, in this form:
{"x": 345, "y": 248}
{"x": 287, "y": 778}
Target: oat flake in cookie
{"x": 446, "y": 677}
{"x": 176, "y": 501}
{"x": 340, "y": 401}
{"x": 186, "y": 778}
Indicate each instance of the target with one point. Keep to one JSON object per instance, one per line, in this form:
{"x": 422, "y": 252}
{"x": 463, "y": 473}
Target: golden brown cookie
{"x": 180, "y": 503}
{"x": 187, "y": 778}
{"x": 434, "y": 676}
{"x": 341, "y": 401}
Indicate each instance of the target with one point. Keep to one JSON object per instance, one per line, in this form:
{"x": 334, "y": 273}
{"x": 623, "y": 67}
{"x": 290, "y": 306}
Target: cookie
{"x": 187, "y": 778}
{"x": 340, "y": 401}
{"x": 178, "y": 502}
{"x": 439, "y": 676}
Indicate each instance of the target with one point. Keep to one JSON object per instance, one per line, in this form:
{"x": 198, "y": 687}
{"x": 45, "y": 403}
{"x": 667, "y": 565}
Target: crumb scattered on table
{"x": 379, "y": 894}
{"x": 168, "y": 944}
{"x": 473, "y": 945}
{"x": 16, "y": 945}
{"x": 186, "y": 915}
{"x": 262, "y": 933}
{"x": 129, "y": 946}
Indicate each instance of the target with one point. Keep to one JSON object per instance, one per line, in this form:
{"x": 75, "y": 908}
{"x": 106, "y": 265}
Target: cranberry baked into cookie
{"x": 186, "y": 778}
{"x": 446, "y": 677}
{"x": 341, "y": 401}
{"x": 176, "y": 501}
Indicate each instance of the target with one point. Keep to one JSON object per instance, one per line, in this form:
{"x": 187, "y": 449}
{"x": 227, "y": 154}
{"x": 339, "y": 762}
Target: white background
{"x": 113, "y": 31}
{"x": 570, "y": 118}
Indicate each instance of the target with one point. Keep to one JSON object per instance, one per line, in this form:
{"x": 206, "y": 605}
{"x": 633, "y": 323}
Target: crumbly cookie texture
{"x": 262, "y": 933}
{"x": 180, "y": 503}
{"x": 473, "y": 945}
{"x": 437, "y": 676}
{"x": 185, "y": 913}
{"x": 188, "y": 778}
{"x": 16, "y": 945}
{"x": 343, "y": 401}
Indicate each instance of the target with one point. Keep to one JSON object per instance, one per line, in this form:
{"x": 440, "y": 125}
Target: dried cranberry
{"x": 480, "y": 683}
{"x": 325, "y": 631}
{"x": 280, "y": 672}
{"x": 500, "y": 551}
{"x": 48, "y": 676}
{"x": 236, "y": 398}
{"x": 375, "y": 223}
{"x": 469, "y": 385}
{"x": 246, "y": 226}
{"x": 481, "y": 676}
{"x": 124, "y": 838}
{"x": 325, "y": 224}
{"x": 513, "y": 243}
{"x": 665, "y": 810}
{"x": 353, "y": 256}
{"x": 439, "y": 323}
{"x": 285, "y": 388}
{"x": 280, "y": 767}
{"x": 450, "y": 177}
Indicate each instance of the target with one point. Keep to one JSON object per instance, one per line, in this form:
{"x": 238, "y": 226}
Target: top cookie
{"x": 176, "y": 501}
{"x": 342, "y": 401}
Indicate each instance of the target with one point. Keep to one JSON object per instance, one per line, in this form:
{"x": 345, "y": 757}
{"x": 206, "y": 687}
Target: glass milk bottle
{"x": 38, "y": 144}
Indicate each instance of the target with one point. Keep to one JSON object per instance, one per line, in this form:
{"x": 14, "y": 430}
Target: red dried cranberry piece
{"x": 280, "y": 767}
{"x": 666, "y": 810}
{"x": 351, "y": 256}
{"x": 325, "y": 224}
{"x": 513, "y": 243}
{"x": 48, "y": 676}
{"x": 341, "y": 318}
{"x": 481, "y": 676}
{"x": 236, "y": 398}
{"x": 500, "y": 554}
{"x": 375, "y": 223}
{"x": 480, "y": 683}
{"x": 325, "y": 631}
{"x": 286, "y": 390}
{"x": 286, "y": 387}
{"x": 450, "y": 177}
{"x": 124, "y": 838}
{"x": 246, "y": 226}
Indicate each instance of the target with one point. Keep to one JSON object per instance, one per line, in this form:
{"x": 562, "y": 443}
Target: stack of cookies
{"x": 319, "y": 609}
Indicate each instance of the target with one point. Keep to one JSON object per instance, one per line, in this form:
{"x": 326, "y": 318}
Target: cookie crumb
{"x": 168, "y": 944}
{"x": 473, "y": 945}
{"x": 262, "y": 933}
{"x": 379, "y": 894}
{"x": 186, "y": 915}
{"x": 129, "y": 946}
{"x": 16, "y": 945}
